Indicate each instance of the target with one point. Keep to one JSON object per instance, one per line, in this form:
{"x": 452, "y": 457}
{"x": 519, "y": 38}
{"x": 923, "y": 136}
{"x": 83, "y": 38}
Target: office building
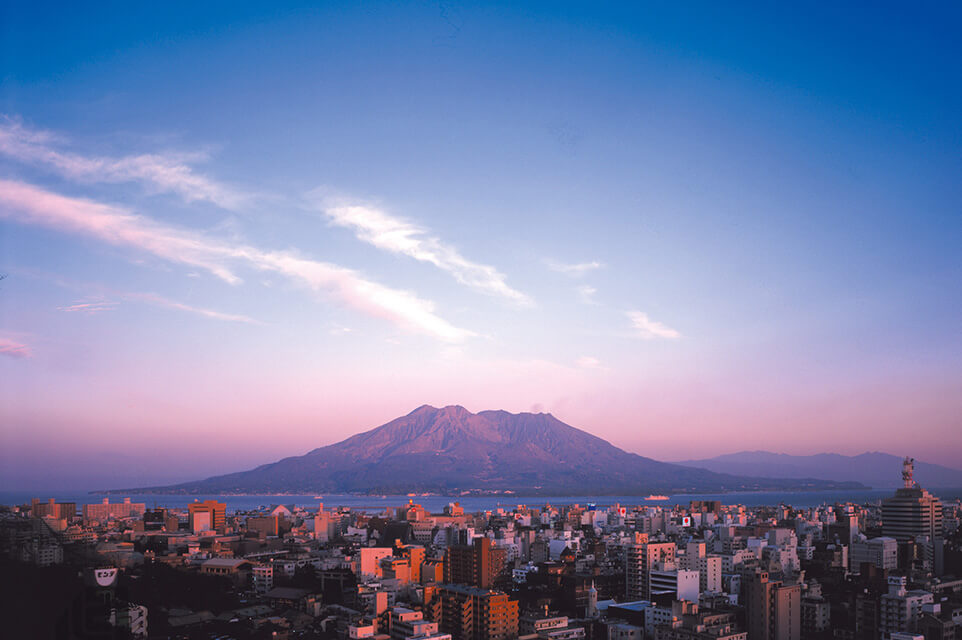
{"x": 914, "y": 513}
{"x": 208, "y": 515}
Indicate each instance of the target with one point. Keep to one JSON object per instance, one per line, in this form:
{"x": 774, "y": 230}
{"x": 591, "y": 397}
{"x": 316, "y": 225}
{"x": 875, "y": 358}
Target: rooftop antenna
{"x": 908, "y": 467}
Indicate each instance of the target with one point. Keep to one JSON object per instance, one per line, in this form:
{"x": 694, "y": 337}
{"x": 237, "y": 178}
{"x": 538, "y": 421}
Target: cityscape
{"x": 701, "y": 570}
{"x": 424, "y": 320}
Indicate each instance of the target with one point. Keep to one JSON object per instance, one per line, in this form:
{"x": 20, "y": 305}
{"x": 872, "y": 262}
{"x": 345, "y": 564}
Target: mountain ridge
{"x": 450, "y": 450}
{"x": 874, "y": 468}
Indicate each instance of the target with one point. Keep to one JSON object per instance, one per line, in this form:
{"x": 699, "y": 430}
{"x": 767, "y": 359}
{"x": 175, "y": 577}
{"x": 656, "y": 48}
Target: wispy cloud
{"x": 29, "y": 204}
{"x": 586, "y": 294}
{"x": 589, "y": 362}
{"x": 648, "y": 329}
{"x": 159, "y": 301}
{"x": 339, "y": 330}
{"x": 158, "y": 172}
{"x": 574, "y": 270}
{"x": 397, "y": 235}
{"x": 94, "y": 307}
{"x": 89, "y": 308}
{"x": 14, "y": 349}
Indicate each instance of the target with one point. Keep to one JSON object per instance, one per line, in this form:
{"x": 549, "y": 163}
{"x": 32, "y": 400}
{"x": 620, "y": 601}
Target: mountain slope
{"x": 873, "y": 468}
{"x": 452, "y": 449}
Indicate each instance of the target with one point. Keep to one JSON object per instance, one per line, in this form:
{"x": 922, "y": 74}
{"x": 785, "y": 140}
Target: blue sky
{"x": 688, "y": 230}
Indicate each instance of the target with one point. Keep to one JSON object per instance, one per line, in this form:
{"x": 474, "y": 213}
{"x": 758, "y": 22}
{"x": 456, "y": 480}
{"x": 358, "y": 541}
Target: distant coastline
{"x": 435, "y": 504}
{"x": 640, "y": 493}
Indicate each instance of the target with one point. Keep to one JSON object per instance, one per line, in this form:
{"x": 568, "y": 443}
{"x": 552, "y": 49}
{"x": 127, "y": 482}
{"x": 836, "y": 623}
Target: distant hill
{"x": 451, "y": 449}
{"x": 875, "y": 469}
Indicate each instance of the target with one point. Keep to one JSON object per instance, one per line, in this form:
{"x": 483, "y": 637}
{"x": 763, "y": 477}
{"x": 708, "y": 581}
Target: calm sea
{"x": 435, "y": 504}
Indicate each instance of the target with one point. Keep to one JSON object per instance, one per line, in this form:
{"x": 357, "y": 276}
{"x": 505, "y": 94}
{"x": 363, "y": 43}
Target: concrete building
{"x": 470, "y": 613}
{"x": 479, "y": 564}
{"x": 640, "y": 559}
{"x": 263, "y": 526}
{"x": 406, "y": 624}
{"x": 880, "y": 552}
{"x": 208, "y": 515}
{"x": 625, "y": 631}
{"x": 914, "y": 513}
{"x": 681, "y": 584}
{"x": 263, "y": 578}
{"x": 105, "y": 510}
{"x": 531, "y": 625}
{"x": 60, "y": 510}
{"x": 367, "y": 561}
{"x": 394, "y": 568}
{"x": 816, "y": 616}
{"x": 709, "y": 574}
{"x": 772, "y": 608}
{"x": 901, "y": 609}
{"x": 415, "y": 555}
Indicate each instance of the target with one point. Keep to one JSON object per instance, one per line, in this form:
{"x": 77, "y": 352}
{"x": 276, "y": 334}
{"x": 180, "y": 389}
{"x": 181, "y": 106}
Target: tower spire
{"x": 908, "y": 468}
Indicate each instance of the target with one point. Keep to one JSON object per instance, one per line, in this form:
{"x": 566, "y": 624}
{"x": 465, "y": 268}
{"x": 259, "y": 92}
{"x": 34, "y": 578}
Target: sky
{"x": 232, "y": 233}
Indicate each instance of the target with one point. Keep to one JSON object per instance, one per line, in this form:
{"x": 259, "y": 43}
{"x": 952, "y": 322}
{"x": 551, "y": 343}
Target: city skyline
{"x": 243, "y": 235}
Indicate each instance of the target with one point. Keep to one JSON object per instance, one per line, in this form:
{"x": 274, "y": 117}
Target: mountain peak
{"x": 453, "y": 449}
{"x": 451, "y": 409}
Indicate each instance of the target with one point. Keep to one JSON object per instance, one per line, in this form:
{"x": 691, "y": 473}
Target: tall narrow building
{"x": 479, "y": 564}
{"x": 640, "y": 561}
{"x": 772, "y": 609}
{"x": 913, "y": 514}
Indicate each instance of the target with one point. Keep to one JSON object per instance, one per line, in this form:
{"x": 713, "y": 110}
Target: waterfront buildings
{"x": 104, "y": 510}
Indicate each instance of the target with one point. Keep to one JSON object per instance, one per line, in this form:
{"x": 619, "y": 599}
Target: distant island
{"x": 453, "y": 452}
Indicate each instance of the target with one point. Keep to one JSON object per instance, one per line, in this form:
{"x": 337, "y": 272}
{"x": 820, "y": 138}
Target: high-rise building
{"x": 208, "y": 515}
{"x": 914, "y": 513}
{"x": 52, "y": 508}
{"x": 479, "y": 564}
{"x": 469, "y": 613}
{"x": 641, "y": 559}
{"x": 772, "y": 608}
